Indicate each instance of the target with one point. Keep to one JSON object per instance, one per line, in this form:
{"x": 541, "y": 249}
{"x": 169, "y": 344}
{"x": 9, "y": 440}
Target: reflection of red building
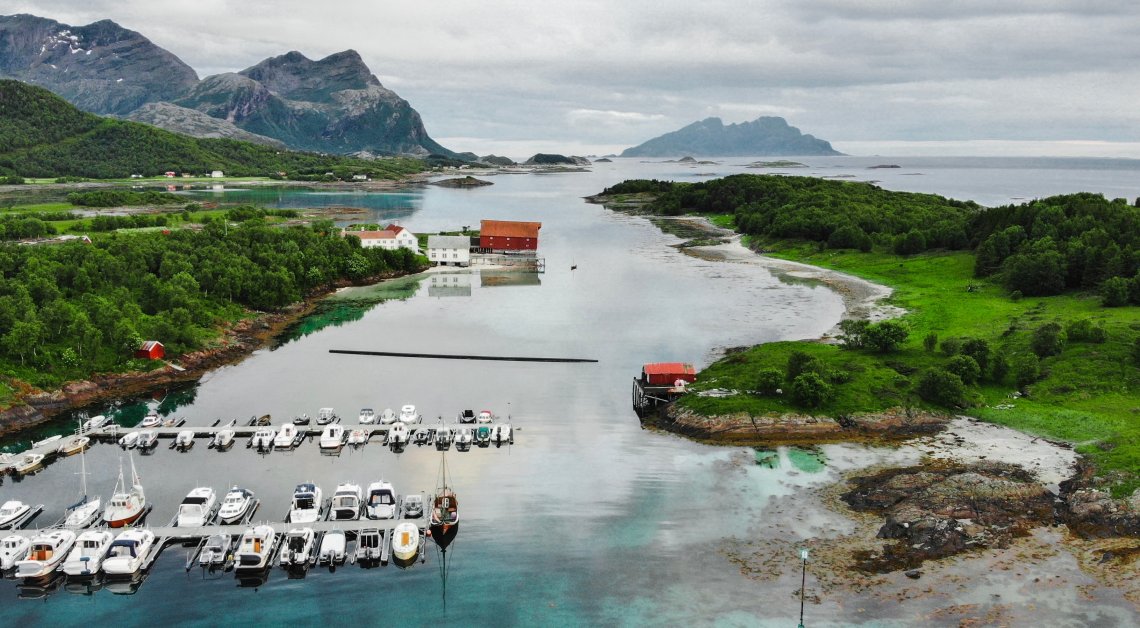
{"x": 509, "y": 236}
{"x": 151, "y": 350}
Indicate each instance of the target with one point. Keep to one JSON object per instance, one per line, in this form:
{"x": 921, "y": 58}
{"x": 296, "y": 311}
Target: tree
{"x": 952, "y": 346}
{"x": 965, "y": 367}
{"x": 910, "y": 243}
{"x": 853, "y": 333}
{"x": 941, "y": 387}
{"x": 1026, "y": 369}
{"x": 768, "y": 381}
{"x": 1114, "y": 292}
{"x": 800, "y": 362}
{"x": 979, "y": 350}
{"x": 1039, "y": 270}
{"x": 999, "y": 368}
{"x": 1083, "y": 330}
{"x": 810, "y": 390}
{"x": 1047, "y": 340}
{"x": 886, "y": 336}
{"x": 930, "y": 342}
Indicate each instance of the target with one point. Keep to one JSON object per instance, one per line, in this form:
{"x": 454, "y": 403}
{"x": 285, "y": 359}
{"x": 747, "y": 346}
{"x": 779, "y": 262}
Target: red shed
{"x": 666, "y": 373}
{"x": 509, "y": 235}
{"x": 151, "y": 350}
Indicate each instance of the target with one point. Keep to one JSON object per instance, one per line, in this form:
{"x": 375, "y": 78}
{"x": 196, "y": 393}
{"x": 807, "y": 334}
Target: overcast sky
{"x": 586, "y": 76}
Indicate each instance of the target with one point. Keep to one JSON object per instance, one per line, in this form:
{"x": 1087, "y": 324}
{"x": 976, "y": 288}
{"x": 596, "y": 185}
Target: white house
{"x": 216, "y": 174}
{"x": 449, "y": 250}
{"x": 391, "y": 237}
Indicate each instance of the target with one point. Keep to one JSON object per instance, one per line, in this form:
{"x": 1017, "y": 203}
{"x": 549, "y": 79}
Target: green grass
{"x": 1087, "y": 396}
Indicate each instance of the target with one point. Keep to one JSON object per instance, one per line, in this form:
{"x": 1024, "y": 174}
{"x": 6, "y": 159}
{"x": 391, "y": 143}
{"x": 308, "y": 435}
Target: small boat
{"x": 286, "y": 438}
{"x": 12, "y": 549}
{"x": 47, "y": 552}
{"x": 333, "y": 546}
{"x": 298, "y": 548}
{"x": 398, "y": 434}
{"x": 332, "y": 437}
{"x": 255, "y": 548}
{"x": 413, "y": 506}
{"x": 443, "y": 437}
{"x": 483, "y": 435}
{"x": 409, "y": 415}
{"x": 236, "y": 505}
{"x": 444, "y": 518}
{"x": 263, "y": 438}
{"x": 27, "y": 463}
{"x": 85, "y": 511}
{"x": 184, "y": 440}
{"x": 463, "y": 438}
{"x": 301, "y": 420}
{"x": 306, "y": 506}
{"x": 260, "y": 421}
{"x": 368, "y": 545}
{"x": 358, "y": 437}
{"x": 150, "y": 420}
{"x": 367, "y": 416}
{"x": 223, "y": 439}
{"x": 147, "y": 439}
{"x": 128, "y": 440}
{"x": 94, "y": 423}
{"x": 485, "y": 416}
{"x": 128, "y": 551}
{"x": 387, "y": 417}
{"x": 326, "y": 416}
{"x": 422, "y": 436}
{"x": 73, "y": 445}
{"x": 86, "y": 557}
{"x": 215, "y": 551}
{"x": 47, "y": 441}
{"x": 12, "y": 511}
{"x": 501, "y": 434}
{"x": 381, "y": 501}
{"x": 196, "y": 508}
{"x": 126, "y": 506}
{"x": 467, "y": 416}
{"x": 346, "y": 502}
{"x": 405, "y": 541}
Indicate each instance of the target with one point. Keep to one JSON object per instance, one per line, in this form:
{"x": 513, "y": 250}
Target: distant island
{"x": 462, "y": 182}
{"x": 712, "y": 138}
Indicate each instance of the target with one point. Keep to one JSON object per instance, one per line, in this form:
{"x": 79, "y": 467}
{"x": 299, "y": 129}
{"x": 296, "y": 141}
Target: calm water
{"x": 588, "y": 519}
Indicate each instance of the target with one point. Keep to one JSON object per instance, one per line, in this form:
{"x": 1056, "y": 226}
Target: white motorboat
{"x": 413, "y": 506}
{"x": 387, "y": 417}
{"x": 255, "y": 548}
{"x": 223, "y": 439}
{"x": 381, "y": 502}
{"x": 215, "y": 551}
{"x": 126, "y": 506}
{"x": 85, "y": 511}
{"x": 12, "y": 511}
{"x": 367, "y": 416}
{"x": 87, "y": 556}
{"x": 467, "y": 416}
{"x": 483, "y": 435}
{"x": 358, "y": 437}
{"x": 184, "y": 440}
{"x": 286, "y": 437}
{"x": 443, "y": 437}
{"x": 333, "y": 546}
{"x": 12, "y": 549}
{"x": 94, "y": 423}
{"x": 195, "y": 509}
{"x": 47, "y": 441}
{"x": 298, "y": 548}
{"x": 485, "y": 416}
{"x": 128, "y": 551}
{"x": 368, "y": 545}
{"x": 332, "y": 437}
{"x": 421, "y": 436}
{"x": 398, "y": 434}
{"x": 147, "y": 439}
{"x": 409, "y": 415}
{"x": 128, "y": 440}
{"x": 326, "y": 416}
{"x": 501, "y": 434}
{"x": 263, "y": 438}
{"x": 47, "y": 552}
{"x": 73, "y": 445}
{"x": 236, "y": 505}
{"x": 463, "y": 438}
{"x": 306, "y": 506}
{"x": 346, "y": 502}
{"x": 405, "y": 541}
{"x": 27, "y": 463}
{"x": 150, "y": 420}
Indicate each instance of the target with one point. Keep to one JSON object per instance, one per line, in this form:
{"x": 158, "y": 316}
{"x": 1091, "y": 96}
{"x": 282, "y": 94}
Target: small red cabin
{"x": 151, "y": 350}
{"x": 509, "y": 235}
{"x": 667, "y": 373}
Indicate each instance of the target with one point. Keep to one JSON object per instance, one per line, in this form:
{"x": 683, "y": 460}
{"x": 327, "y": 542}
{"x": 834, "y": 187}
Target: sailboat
{"x": 445, "y": 509}
{"x": 85, "y": 511}
{"x": 125, "y": 507}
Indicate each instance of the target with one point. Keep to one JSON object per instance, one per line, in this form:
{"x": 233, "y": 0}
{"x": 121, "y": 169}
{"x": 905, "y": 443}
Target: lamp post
{"x": 803, "y": 583}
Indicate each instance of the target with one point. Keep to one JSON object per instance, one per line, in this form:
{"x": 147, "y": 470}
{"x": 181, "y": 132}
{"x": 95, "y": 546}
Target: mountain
{"x": 332, "y": 105}
{"x": 764, "y": 136}
{"x": 102, "y": 67}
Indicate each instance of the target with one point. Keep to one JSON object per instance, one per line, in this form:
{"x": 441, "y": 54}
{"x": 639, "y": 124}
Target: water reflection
{"x": 805, "y": 459}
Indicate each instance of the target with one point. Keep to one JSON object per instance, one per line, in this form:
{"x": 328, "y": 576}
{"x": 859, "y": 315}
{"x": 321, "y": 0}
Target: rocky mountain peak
{"x": 296, "y": 77}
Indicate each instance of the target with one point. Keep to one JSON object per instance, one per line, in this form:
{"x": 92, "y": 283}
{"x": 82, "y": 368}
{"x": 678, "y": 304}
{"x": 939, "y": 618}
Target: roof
{"x": 394, "y": 228}
{"x": 448, "y": 242}
{"x": 509, "y": 229}
{"x": 669, "y": 368}
{"x": 374, "y": 235}
{"x": 150, "y": 344}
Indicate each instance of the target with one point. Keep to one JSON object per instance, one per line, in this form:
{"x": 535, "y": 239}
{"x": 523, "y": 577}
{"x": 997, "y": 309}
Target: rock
{"x": 914, "y": 574}
{"x": 461, "y": 182}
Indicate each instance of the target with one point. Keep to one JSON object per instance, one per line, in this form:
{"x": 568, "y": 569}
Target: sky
{"x": 891, "y": 77}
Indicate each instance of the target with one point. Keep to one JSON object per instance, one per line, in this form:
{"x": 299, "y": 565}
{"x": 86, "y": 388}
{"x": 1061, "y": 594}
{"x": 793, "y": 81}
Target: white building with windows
{"x": 391, "y": 237}
{"x": 449, "y": 250}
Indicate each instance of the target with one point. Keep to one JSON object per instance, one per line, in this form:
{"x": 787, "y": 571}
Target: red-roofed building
{"x": 509, "y": 236}
{"x": 151, "y": 350}
{"x": 391, "y": 237}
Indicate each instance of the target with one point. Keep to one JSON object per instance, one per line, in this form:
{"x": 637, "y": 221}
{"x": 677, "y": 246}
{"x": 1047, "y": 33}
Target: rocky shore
{"x": 798, "y": 429}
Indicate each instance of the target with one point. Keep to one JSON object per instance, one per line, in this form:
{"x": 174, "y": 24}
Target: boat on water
{"x": 367, "y": 416}
{"x": 215, "y": 550}
{"x": 196, "y": 508}
{"x": 223, "y": 439}
{"x": 306, "y": 506}
{"x": 408, "y": 414}
{"x": 184, "y": 440}
{"x": 298, "y": 547}
{"x": 387, "y": 417}
{"x": 326, "y": 416}
{"x": 12, "y": 549}
{"x": 263, "y": 438}
{"x": 332, "y": 437}
{"x": 413, "y": 506}
{"x": 333, "y": 545}
{"x": 286, "y": 438}
{"x": 398, "y": 434}
{"x": 381, "y": 502}
{"x": 147, "y": 439}
{"x": 236, "y": 505}
{"x": 48, "y": 550}
{"x": 358, "y": 437}
{"x": 467, "y": 416}
{"x": 47, "y": 441}
{"x": 126, "y": 506}
{"x": 421, "y": 436}
{"x": 73, "y": 445}
{"x": 443, "y": 438}
{"x": 405, "y": 542}
{"x": 128, "y": 551}
{"x": 255, "y": 548}
{"x": 485, "y": 416}
{"x": 302, "y": 420}
{"x": 443, "y": 522}
{"x": 483, "y": 435}
{"x": 501, "y": 434}
{"x": 368, "y": 545}
{"x": 86, "y": 558}
{"x": 346, "y": 502}
{"x": 464, "y": 436}
{"x": 150, "y": 420}
{"x": 12, "y": 512}
{"x": 27, "y": 463}
{"x": 86, "y": 511}
{"x": 128, "y": 440}
{"x": 94, "y": 423}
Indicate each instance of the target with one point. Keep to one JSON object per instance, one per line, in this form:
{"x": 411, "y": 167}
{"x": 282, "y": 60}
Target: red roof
{"x": 150, "y": 344}
{"x": 509, "y": 229}
{"x": 374, "y": 235}
{"x": 394, "y": 228}
{"x": 669, "y": 368}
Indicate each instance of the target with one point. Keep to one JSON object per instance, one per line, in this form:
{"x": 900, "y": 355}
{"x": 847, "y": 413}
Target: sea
{"x": 588, "y": 518}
